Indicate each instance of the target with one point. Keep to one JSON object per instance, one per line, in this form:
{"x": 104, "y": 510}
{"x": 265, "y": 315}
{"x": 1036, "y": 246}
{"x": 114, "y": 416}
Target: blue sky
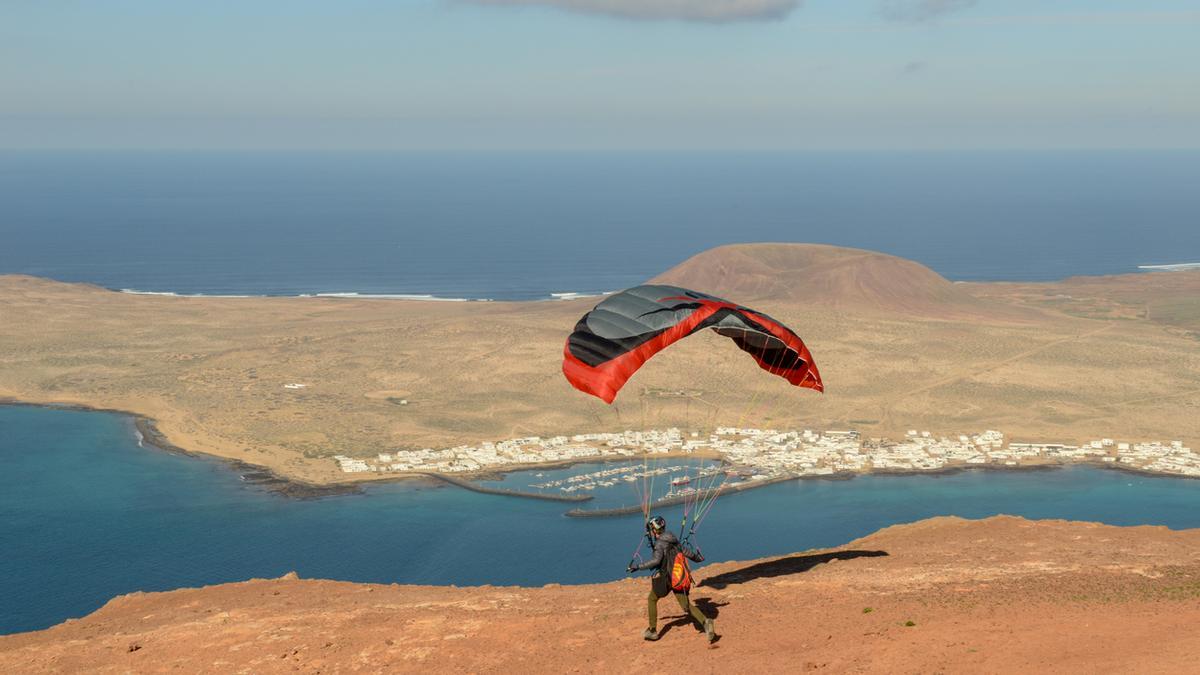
{"x": 600, "y": 74}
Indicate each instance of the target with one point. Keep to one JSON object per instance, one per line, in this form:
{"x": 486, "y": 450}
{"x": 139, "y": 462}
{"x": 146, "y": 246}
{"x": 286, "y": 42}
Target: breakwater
{"x": 475, "y": 487}
{"x": 673, "y": 501}
{"x": 148, "y": 435}
{"x": 885, "y": 473}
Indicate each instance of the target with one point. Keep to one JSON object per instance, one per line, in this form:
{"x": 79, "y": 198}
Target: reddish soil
{"x": 832, "y": 276}
{"x": 944, "y": 595}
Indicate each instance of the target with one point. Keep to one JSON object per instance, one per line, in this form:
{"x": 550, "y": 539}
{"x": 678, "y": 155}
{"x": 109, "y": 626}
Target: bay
{"x": 87, "y": 514}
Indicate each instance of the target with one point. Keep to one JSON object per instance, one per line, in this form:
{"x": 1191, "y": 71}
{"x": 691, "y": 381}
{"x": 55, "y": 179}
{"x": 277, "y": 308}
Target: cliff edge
{"x": 943, "y": 595}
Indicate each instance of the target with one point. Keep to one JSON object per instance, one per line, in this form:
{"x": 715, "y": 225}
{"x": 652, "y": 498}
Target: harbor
{"x": 676, "y": 476}
{"x": 676, "y": 498}
{"x": 769, "y": 453}
{"x": 505, "y": 492}
{"x": 634, "y": 469}
{"x": 199, "y": 512}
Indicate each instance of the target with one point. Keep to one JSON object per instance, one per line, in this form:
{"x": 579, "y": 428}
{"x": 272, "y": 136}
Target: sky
{"x": 600, "y": 74}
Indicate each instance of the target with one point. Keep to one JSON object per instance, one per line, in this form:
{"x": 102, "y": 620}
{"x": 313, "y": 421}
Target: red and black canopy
{"x": 621, "y": 333}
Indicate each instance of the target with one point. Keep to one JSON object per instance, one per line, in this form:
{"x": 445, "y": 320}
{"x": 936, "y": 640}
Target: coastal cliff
{"x": 942, "y": 595}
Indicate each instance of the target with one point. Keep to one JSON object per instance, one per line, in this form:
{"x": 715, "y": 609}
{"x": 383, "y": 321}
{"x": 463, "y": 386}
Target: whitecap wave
{"x": 395, "y": 296}
{"x": 1176, "y": 267}
{"x": 172, "y": 294}
{"x": 575, "y": 295}
{"x": 351, "y": 295}
{"x": 133, "y": 291}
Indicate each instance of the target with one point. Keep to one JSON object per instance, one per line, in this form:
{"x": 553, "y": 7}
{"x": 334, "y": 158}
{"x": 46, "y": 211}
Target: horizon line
{"x": 596, "y": 150}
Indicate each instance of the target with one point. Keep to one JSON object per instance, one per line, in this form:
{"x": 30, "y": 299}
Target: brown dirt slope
{"x": 1168, "y": 298}
{"x": 1002, "y": 595}
{"x": 829, "y": 276}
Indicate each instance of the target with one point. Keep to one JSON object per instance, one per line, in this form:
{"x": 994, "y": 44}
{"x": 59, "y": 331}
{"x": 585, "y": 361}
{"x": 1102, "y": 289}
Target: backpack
{"x": 681, "y": 575}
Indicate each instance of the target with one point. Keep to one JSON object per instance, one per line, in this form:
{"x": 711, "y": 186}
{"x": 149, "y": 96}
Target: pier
{"x": 679, "y": 499}
{"x": 475, "y": 487}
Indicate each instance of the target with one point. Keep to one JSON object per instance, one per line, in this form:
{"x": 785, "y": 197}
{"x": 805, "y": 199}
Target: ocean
{"x": 525, "y": 226}
{"x": 87, "y": 514}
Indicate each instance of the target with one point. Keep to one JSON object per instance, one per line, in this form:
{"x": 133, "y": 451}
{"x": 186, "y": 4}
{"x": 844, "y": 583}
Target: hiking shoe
{"x": 710, "y": 630}
{"x": 650, "y": 635}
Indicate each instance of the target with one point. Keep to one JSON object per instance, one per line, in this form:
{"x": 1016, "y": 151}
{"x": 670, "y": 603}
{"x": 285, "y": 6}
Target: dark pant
{"x": 684, "y": 603}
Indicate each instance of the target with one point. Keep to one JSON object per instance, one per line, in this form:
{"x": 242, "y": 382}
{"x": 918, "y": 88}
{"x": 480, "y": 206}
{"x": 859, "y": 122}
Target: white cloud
{"x": 715, "y": 11}
{"x": 921, "y": 10}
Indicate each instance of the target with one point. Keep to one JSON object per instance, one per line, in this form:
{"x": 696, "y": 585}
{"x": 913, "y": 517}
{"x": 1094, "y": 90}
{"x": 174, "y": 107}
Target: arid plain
{"x": 899, "y": 347}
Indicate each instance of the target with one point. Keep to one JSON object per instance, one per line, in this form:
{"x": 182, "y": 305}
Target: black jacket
{"x": 664, "y": 553}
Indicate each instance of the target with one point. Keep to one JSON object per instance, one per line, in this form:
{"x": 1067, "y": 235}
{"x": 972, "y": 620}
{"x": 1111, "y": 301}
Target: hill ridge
{"x": 829, "y": 276}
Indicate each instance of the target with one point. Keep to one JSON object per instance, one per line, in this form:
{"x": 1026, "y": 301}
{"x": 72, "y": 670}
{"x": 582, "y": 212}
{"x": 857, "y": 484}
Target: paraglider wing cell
{"x": 621, "y": 333}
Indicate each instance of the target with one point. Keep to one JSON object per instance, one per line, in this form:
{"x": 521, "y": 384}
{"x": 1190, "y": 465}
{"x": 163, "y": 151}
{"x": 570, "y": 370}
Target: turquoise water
{"x": 85, "y": 514}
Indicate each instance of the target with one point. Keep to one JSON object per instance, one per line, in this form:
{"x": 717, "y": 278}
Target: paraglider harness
{"x": 674, "y": 565}
{"x": 681, "y": 574}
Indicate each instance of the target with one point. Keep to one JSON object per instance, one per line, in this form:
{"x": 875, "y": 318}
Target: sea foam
{"x": 1177, "y": 267}
{"x": 573, "y": 295}
{"x": 172, "y": 294}
{"x": 397, "y": 296}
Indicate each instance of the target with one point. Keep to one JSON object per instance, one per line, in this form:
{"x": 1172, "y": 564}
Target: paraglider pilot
{"x": 668, "y": 577}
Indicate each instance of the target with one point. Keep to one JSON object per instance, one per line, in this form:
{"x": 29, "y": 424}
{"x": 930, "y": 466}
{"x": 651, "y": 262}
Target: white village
{"x": 769, "y": 454}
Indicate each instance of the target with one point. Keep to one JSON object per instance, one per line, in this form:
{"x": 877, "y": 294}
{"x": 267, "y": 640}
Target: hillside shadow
{"x": 710, "y": 608}
{"x": 782, "y": 567}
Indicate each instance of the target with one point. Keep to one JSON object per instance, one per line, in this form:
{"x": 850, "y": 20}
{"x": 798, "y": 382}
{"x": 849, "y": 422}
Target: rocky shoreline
{"x": 150, "y": 436}
{"x": 250, "y": 473}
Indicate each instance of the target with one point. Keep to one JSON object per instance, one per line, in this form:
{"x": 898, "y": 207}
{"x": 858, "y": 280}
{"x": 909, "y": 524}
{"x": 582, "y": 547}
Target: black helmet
{"x": 656, "y": 524}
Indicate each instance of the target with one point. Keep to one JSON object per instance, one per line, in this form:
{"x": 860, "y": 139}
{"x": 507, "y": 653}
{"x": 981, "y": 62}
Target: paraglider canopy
{"x": 621, "y": 333}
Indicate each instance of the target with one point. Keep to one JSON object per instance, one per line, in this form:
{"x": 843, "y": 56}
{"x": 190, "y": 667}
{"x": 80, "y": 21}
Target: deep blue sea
{"x": 86, "y": 514}
{"x": 522, "y": 226}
